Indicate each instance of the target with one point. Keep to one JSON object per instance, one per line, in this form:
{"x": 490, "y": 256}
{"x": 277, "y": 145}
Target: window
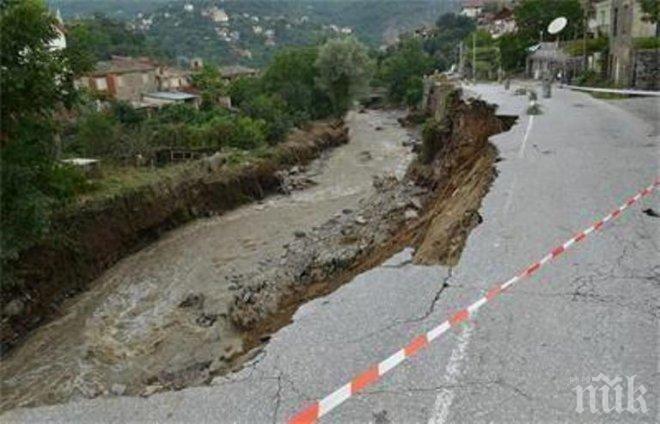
{"x": 101, "y": 83}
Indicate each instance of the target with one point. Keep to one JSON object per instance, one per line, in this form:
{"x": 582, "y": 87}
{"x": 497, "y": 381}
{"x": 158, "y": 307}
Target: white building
{"x": 59, "y": 42}
{"x": 472, "y": 8}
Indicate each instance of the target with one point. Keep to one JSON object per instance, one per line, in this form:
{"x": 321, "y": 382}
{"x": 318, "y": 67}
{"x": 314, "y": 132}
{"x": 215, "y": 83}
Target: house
{"x": 548, "y": 60}
{"x": 236, "y": 71}
{"x": 499, "y": 23}
{"x": 216, "y": 15}
{"x": 472, "y": 8}
{"x": 121, "y": 78}
{"x": 630, "y": 66}
{"x": 602, "y": 17}
{"x": 168, "y": 78}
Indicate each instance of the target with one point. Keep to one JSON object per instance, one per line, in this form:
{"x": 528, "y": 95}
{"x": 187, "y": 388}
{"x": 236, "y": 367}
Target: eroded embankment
{"x": 90, "y": 239}
{"x": 433, "y": 210}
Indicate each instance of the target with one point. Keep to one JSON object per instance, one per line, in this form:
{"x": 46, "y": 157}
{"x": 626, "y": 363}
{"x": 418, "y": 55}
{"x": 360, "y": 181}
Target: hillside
{"x": 249, "y": 32}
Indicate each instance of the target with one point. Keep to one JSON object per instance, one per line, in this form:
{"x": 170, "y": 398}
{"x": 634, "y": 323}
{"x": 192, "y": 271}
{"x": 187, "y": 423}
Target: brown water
{"x": 129, "y": 327}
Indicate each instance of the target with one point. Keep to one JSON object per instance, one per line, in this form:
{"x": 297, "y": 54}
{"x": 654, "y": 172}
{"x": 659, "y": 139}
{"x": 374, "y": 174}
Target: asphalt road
{"x": 594, "y": 311}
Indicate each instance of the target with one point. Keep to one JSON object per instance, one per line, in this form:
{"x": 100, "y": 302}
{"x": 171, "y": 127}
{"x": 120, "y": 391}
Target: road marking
{"x": 453, "y": 372}
{"x": 521, "y": 152}
{"x": 315, "y": 411}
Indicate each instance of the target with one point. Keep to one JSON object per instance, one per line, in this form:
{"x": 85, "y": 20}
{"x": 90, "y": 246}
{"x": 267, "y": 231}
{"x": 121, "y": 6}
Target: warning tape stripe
{"x": 336, "y": 398}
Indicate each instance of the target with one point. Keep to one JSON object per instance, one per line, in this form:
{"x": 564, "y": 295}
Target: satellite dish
{"x": 557, "y": 25}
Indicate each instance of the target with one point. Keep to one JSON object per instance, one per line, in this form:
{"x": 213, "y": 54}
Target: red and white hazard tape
{"x": 336, "y": 398}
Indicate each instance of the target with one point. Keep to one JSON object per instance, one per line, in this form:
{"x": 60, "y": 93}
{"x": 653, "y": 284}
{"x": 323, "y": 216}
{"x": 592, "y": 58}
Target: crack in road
{"x": 398, "y": 322}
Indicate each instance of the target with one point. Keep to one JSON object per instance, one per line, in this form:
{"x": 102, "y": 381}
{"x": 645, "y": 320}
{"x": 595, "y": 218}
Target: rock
{"x": 206, "y": 320}
{"x": 13, "y": 308}
{"x": 214, "y": 162}
{"x": 192, "y": 300}
{"x": 360, "y": 220}
{"x": 150, "y": 390}
{"x": 118, "y": 389}
{"x": 411, "y": 214}
{"x": 299, "y": 234}
{"x": 379, "y": 128}
{"x": 365, "y": 156}
{"x": 294, "y": 170}
{"x": 347, "y": 211}
{"x": 416, "y": 203}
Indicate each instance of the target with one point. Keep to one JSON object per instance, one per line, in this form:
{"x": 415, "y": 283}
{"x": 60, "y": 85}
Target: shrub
{"x": 248, "y": 133}
{"x": 647, "y": 43}
{"x": 272, "y": 110}
{"x": 98, "y": 134}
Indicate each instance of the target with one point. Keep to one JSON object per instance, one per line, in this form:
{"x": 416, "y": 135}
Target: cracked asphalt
{"x": 594, "y": 311}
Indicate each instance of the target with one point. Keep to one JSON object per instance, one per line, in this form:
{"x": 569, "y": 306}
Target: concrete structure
{"x": 122, "y": 78}
{"x": 236, "y": 71}
{"x": 163, "y": 98}
{"x": 626, "y": 25}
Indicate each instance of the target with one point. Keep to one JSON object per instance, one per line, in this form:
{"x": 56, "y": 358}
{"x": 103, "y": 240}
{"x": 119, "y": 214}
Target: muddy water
{"x": 131, "y": 328}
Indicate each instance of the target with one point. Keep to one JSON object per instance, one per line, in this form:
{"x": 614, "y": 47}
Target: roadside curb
{"x": 320, "y": 408}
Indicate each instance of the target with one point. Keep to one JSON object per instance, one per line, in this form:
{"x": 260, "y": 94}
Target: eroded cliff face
{"x": 88, "y": 240}
{"x": 457, "y": 162}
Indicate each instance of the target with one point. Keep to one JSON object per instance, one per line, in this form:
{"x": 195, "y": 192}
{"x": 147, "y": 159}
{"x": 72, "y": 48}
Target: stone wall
{"x": 647, "y": 70}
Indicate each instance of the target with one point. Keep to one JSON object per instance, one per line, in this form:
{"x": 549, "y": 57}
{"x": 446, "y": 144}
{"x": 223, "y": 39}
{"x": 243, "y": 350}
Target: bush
{"x": 271, "y": 109}
{"x": 243, "y": 89}
{"x": 647, "y": 43}
{"x": 248, "y": 133}
{"x": 98, "y": 134}
{"x": 593, "y": 45}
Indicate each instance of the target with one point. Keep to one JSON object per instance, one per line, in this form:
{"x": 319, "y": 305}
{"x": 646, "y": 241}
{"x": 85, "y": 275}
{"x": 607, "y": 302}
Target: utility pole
{"x": 461, "y": 60}
{"x": 474, "y": 57}
{"x": 585, "y": 61}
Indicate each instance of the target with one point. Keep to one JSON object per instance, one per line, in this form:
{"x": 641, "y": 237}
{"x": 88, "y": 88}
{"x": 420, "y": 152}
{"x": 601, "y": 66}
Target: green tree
{"x": 443, "y": 45}
{"x": 402, "y": 71}
{"x": 292, "y": 75}
{"x": 101, "y": 37}
{"x": 35, "y": 83}
{"x": 244, "y": 88}
{"x": 99, "y": 134}
{"x": 486, "y": 52}
{"x": 345, "y": 71}
{"x": 211, "y": 86}
{"x": 272, "y": 110}
{"x": 513, "y": 52}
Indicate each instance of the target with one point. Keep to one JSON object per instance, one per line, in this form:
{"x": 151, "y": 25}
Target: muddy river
{"x": 164, "y": 309}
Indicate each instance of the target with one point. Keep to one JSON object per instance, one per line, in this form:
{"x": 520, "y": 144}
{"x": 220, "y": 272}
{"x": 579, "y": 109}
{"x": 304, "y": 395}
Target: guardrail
{"x": 615, "y": 91}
